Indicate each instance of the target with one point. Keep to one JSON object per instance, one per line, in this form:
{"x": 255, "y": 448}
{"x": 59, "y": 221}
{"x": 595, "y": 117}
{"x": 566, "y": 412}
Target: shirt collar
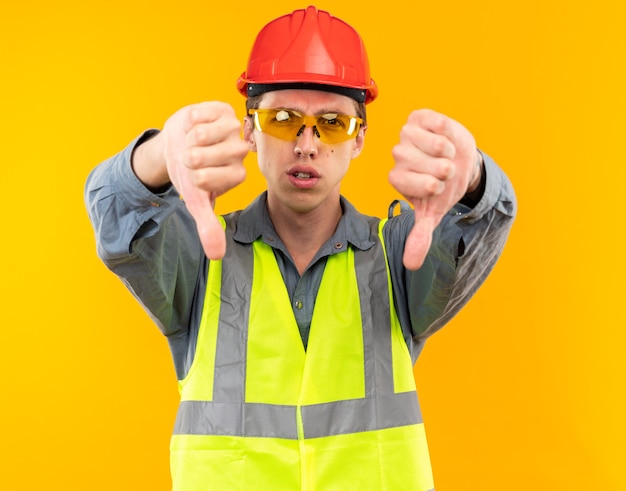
{"x": 254, "y": 223}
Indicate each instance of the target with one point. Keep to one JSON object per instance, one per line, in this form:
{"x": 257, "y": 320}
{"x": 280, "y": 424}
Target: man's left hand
{"x": 437, "y": 163}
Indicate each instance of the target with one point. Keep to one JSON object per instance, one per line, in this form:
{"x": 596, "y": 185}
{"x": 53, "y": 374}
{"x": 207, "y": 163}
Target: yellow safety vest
{"x": 258, "y": 412}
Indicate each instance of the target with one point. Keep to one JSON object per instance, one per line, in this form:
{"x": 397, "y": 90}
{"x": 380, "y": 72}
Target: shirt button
{"x": 338, "y": 245}
{"x": 299, "y": 304}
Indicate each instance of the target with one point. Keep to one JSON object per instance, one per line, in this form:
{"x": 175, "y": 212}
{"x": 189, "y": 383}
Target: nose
{"x": 306, "y": 143}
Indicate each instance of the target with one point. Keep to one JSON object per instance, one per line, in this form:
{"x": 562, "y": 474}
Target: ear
{"x": 359, "y": 143}
{"x": 248, "y": 133}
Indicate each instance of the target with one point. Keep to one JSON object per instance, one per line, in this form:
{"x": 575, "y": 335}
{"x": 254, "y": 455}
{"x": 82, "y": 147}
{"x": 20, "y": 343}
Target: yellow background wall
{"x": 523, "y": 390}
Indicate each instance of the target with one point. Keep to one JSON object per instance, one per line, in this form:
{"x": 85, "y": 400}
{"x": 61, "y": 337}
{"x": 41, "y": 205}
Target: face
{"x": 303, "y": 176}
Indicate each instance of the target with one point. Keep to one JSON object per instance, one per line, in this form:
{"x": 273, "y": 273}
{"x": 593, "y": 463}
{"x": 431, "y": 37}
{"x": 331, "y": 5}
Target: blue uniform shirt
{"x": 150, "y": 241}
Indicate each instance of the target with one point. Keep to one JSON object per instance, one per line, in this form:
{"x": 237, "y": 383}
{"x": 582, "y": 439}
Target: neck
{"x": 303, "y": 233}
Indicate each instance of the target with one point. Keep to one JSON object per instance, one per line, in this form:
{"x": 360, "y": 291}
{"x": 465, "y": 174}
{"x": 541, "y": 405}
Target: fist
{"x": 204, "y": 155}
{"x": 435, "y": 162}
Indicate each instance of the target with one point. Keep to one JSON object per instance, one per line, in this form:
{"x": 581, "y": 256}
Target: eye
{"x": 332, "y": 120}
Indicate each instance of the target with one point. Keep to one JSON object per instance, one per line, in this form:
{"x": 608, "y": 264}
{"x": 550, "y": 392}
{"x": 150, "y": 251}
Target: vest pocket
{"x": 225, "y": 463}
{"x": 197, "y": 463}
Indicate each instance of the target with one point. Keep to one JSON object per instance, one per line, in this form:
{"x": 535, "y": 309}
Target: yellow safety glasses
{"x": 288, "y": 124}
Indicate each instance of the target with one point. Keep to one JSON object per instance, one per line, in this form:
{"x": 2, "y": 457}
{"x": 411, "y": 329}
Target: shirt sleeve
{"x": 149, "y": 240}
{"x": 466, "y": 246}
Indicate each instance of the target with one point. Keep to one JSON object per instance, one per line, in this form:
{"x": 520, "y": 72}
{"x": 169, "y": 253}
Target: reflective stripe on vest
{"x": 347, "y": 405}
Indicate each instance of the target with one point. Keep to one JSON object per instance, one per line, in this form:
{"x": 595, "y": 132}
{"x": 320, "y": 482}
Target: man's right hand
{"x": 200, "y": 151}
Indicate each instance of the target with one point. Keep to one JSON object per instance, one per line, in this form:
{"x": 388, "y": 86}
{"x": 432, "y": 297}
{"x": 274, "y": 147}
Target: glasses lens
{"x": 288, "y": 124}
{"x": 280, "y": 123}
{"x": 335, "y": 128}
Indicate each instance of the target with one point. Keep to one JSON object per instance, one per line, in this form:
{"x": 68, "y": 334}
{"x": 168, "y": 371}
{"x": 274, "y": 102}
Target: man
{"x": 294, "y": 324}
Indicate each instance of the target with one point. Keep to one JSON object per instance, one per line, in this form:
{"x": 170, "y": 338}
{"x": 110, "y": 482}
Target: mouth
{"x": 302, "y": 175}
{"x": 304, "y": 178}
